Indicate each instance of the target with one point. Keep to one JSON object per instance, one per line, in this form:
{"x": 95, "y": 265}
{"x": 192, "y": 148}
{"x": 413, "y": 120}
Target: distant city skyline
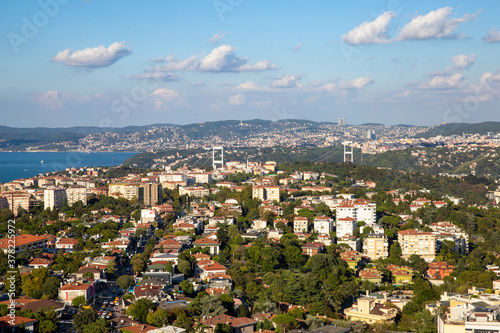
{"x": 88, "y": 63}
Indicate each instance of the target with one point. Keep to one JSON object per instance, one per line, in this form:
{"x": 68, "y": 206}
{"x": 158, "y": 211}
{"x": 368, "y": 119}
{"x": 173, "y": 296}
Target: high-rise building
{"x": 375, "y": 246}
{"x": 151, "y": 194}
{"x": 124, "y": 190}
{"x": 371, "y": 135}
{"x": 271, "y": 193}
{"x": 342, "y": 122}
{"x": 76, "y": 193}
{"x": 54, "y": 197}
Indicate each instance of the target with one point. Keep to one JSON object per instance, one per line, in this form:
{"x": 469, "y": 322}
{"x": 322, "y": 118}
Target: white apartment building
{"x": 323, "y": 225}
{"x": 359, "y": 209}
{"x": 173, "y": 177}
{"x": 351, "y": 241}
{"x": 417, "y": 242}
{"x": 300, "y": 224}
{"x": 259, "y": 224}
{"x": 124, "y": 190}
{"x": 76, "y": 193}
{"x": 54, "y": 197}
{"x": 376, "y": 246}
{"x": 345, "y": 226}
{"x": 271, "y": 193}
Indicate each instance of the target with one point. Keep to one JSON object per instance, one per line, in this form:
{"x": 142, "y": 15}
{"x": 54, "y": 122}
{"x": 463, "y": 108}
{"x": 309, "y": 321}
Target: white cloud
{"x": 490, "y": 77}
{"x": 298, "y": 47}
{"x": 249, "y": 85}
{"x": 370, "y": 32}
{"x": 462, "y": 62}
{"x": 435, "y": 24}
{"x": 51, "y": 100}
{"x": 164, "y": 97}
{"x": 238, "y": 99}
{"x": 220, "y": 59}
{"x": 358, "y": 83}
{"x": 217, "y": 37}
{"x": 163, "y": 76}
{"x": 93, "y": 57}
{"x": 287, "y": 81}
{"x": 443, "y": 82}
{"x": 492, "y": 36}
{"x": 188, "y": 64}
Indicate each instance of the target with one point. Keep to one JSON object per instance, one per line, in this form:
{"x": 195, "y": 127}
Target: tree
{"x": 139, "y": 310}
{"x": 125, "y": 281}
{"x": 160, "y": 318}
{"x": 184, "y": 267}
{"x": 187, "y": 288}
{"x": 84, "y": 318}
{"x": 111, "y": 267}
{"x": 79, "y": 301}
{"x": 285, "y": 322}
{"x": 88, "y": 275}
{"x": 222, "y": 328}
{"x": 50, "y": 287}
{"x": 99, "y": 326}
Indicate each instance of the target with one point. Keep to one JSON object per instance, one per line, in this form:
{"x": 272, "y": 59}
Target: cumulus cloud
{"x": 220, "y": 59}
{"x": 443, "y": 82}
{"x": 492, "y": 36}
{"x": 435, "y": 24}
{"x": 238, "y": 99}
{"x": 164, "y": 97}
{"x": 490, "y": 77}
{"x": 462, "y": 62}
{"x": 217, "y": 37}
{"x": 51, "y": 100}
{"x": 298, "y": 47}
{"x": 287, "y": 81}
{"x": 93, "y": 57}
{"x": 249, "y": 85}
{"x": 358, "y": 83}
{"x": 370, "y": 32}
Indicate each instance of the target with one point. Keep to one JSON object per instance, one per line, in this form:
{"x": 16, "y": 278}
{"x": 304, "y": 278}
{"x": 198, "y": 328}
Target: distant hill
{"x": 460, "y": 128}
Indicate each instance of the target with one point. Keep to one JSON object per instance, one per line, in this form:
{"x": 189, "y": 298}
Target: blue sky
{"x": 110, "y": 63}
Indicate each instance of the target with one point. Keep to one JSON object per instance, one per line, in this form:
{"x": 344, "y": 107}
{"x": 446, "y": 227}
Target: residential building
{"x": 23, "y": 242}
{"x": 300, "y": 224}
{"x": 323, "y": 225}
{"x": 238, "y": 325}
{"x": 371, "y": 311}
{"x": 417, "y": 242}
{"x": 259, "y": 224}
{"x": 199, "y": 191}
{"x": 16, "y": 323}
{"x": 128, "y": 191}
{"x": 447, "y": 231}
{"x": 359, "y": 209}
{"x": 40, "y": 262}
{"x": 54, "y": 198}
{"x": 470, "y": 318}
{"x": 66, "y": 244}
{"x": 310, "y": 249}
{"x": 351, "y": 241}
{"x": 76, "y": 193}
{"x": 401, "y": 274}
{"x": 371, "y": 275}
{"x": 16, "y": 200}
{"x": 150, "y": 194}
{"x": 439, "y": 270}
{"x": 72, "y": 290}
{"x": 345, "y": 226}
{"x": 211, "y": 244}
{"x": 271, "y": 193}
{"x": 376, "y": 246}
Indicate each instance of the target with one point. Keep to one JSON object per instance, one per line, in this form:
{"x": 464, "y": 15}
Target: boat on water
{"x": 41, "y": 162}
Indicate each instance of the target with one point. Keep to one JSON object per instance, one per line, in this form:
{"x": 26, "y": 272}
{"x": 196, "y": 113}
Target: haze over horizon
{"x": 87, "y": 63}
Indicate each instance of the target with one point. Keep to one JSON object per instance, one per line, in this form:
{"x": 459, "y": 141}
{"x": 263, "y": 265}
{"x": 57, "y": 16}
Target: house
{"x": 96, "y": 272}
{"x": 401, "y": 274}
{"x": 212, "y": 244}
{"x": 204, "y": 268}
{"x": 439, "y": 270}
{"x": 121, "y": 244}
{"x": 138, "y": 328}
{"x": 16, "y": 322}
{"x": 72, "y": 290}
{"x": 169, "y": 245}
{"x": 354, "y": 259}
{"x": 368, "y": 309}
{"x": 148, "y": 291}
{"x": 371, "y": 275}
{"x": 238, "y": 325}
{"x": 40, "y": 262}
{"x": 67, "y": 244}
{"x": 259, "y": 224}
{"x": 168, "y": 329}
{"x": 310, "y": 249}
